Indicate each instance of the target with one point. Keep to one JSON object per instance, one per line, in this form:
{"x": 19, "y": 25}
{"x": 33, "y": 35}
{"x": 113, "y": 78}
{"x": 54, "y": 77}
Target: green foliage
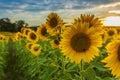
{"x": 89, "y": 74}
{"x": 24, "y": 66}
{"x": 17, "y": 63}
{"x": 3, "y": 54}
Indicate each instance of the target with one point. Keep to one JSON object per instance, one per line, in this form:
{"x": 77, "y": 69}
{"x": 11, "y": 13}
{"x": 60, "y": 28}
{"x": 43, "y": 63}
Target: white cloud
{"x": 68, "y": 15}
{"x": 46, "y": 1}
{"x": 68, "y": 6}
{"x": 23, "y": 6}
{"x": 110, "y": 5}
{"x": 115, "y": 11}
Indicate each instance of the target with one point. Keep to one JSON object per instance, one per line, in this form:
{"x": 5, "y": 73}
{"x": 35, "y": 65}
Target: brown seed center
{"x": 1, "y": 38}
{"x": 36, "y": 49}
{"x": 53, "y": 22}
{"x": 26, "y": 32}
{"x": 33, "y": 36}
{"x": 118, "y": 31}
{"x": 80, "y": 42}
{"x": 29, "y": 46}
{"x": 44, "y": 31}
{"x": 56, "y": 42}
{"x": 111, "y": 33}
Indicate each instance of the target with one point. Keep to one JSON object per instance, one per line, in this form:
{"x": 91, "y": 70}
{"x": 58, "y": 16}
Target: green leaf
{"x": 71, "y": 67}
{"x": 98, "y": 78}
{"x": 49, "y": 72}
{"x": 109, "y": 78}
{"x": 99, "y": 66}
{"x": 89, "y": 74}
{"x": 66, "y": 76}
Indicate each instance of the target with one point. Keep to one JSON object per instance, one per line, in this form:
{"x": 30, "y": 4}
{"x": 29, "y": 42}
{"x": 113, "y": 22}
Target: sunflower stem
{"x": 81, "y": 66}
{"x": 63, "y": 64}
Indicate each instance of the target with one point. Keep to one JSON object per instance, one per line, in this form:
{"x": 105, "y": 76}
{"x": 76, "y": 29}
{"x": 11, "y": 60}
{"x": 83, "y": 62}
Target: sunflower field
{"x": 84, "y": 50}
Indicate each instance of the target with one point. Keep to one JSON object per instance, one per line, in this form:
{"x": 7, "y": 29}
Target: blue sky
{"x": 35, "y": 12}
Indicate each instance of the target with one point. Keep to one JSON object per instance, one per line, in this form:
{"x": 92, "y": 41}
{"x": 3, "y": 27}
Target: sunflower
{"x": 79, "y": 42}
{"x": 112, "y": 61}
{"x": 54, "y": 23}
{"x": 25, "y": 31}
{"x": 3, "y": 38}
{"x": 18, "y": 36}
{"x": 32, "y": 37}
{"x": 103, "y": 36}
{"x": 110, "y": 33}
{"x": 55, "y": 43}
{"x": 35, "y": 49}
{"x": 29, "y": 45}
{"x": 92, "y": 20}
{"x": 96, "y": 22}
{"x": 42, "y": 32}
{"x": 118, "y": 30}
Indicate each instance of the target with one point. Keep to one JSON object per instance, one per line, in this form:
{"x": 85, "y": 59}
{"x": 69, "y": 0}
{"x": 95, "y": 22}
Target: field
{"x": 58, "y": 52}
{"x": 9, "y": 34}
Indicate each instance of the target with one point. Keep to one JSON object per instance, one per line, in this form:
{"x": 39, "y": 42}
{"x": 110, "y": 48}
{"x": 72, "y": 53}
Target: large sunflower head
{"x": 54, "y": 23}
{"x": 42, "y": 32}
{"x": 113, "y": 59}
{"x": 79, "y": 42}
{"x": 32, "y": 36}
{"x": 35, "y": 49}
{"x": 92, "y": 20}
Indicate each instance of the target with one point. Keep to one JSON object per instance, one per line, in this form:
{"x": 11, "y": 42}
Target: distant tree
{"x": 19, "y": 24}
{"x": 6, "y": 25}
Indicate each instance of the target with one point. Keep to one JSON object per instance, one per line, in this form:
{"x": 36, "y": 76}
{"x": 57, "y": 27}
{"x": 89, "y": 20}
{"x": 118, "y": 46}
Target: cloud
{"x": 109, "y": 9}
{"x": 115, "y": 11}
{"x": 12, "y": 6}
{"x": 35, "y": 12}
{"x": 23, "y": 6}
{"x": 110, "y": 5}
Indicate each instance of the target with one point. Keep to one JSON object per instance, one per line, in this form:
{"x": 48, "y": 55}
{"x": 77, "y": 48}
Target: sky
{"x": 35, "y": 12}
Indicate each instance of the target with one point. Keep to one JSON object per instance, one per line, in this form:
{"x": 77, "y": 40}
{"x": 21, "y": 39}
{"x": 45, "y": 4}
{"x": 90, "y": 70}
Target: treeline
{"x": 7, "y": 26}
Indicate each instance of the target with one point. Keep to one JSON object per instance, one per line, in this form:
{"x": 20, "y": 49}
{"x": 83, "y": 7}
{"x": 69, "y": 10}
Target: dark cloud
{"x": 34, "y": 10}
{"x": 10, "y": 6}
{"x": 99, "y": 2}
{"x": 68, "y": 8}
{"x": 37, "y": 5}
{"x": 68, "y": 4}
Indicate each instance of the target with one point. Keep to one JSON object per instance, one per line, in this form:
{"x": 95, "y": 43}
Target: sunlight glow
{"x": 112, "y": 21}
{"x": 115, "y": 11}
